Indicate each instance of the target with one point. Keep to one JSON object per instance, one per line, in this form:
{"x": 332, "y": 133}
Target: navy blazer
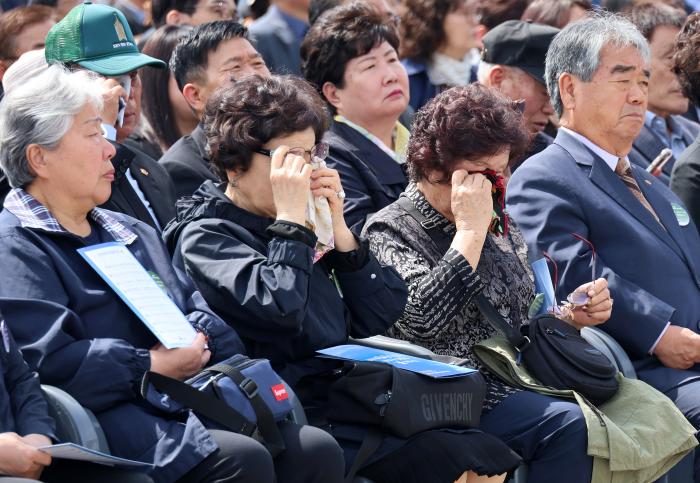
{"x": 277, "y": 43}
{"x": 371, "y": 179}
{"x": 653, "y": 272}
{"x": 648, "y": 145}
{"x": 80, "y": 336}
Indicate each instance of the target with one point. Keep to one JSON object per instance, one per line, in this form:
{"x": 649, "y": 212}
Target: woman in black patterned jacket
{"x": 459, "y": 150}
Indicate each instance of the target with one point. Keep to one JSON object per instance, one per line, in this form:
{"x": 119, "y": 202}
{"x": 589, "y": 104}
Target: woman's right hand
{"x": 290, "y": 176}
{"x": 183, "y": 362}
{"x": 472, "y": 209}
{"x": 472, "y": 205}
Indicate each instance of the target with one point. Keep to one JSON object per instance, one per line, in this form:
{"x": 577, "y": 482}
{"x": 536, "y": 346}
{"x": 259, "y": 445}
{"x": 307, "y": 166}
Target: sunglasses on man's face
{"x": 318, "y": 152}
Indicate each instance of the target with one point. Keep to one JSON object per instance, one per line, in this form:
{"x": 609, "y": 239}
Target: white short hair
{"x": 576, "y": 49}
{"x": 41, "y": 111}
{"x": 29, "y": 65}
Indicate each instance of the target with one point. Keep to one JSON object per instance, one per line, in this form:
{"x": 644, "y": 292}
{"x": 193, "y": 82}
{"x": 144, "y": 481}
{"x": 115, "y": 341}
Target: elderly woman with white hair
{"x": 76, "y": 331}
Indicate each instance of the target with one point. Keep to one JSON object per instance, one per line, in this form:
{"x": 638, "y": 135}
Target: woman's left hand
{"x": 325, "y": 182}
{"x": 598, "y": 308}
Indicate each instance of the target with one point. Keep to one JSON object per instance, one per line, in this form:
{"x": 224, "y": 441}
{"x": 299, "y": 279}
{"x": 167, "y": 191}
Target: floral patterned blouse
{"x": 440, "y": 313}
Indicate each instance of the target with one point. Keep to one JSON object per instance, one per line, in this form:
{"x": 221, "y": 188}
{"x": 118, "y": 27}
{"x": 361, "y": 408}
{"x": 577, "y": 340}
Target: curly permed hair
{"x": 340, "y": 35}
{"x": 467, "y": 122}
{"x": 242, "y": 116}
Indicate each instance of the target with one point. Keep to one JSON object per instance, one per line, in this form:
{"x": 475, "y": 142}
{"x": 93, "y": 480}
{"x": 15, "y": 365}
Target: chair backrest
{"x": 74, "y": 423}
{"x": 612, "y": 350}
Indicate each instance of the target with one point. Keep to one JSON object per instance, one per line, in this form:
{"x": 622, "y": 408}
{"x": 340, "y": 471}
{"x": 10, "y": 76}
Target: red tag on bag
{"x": 280, "y": 392}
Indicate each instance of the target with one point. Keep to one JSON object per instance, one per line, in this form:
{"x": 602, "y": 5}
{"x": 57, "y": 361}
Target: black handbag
{"x": 402, "y": 402}
{"x": 552, "y": 350}
{"x": 385, "y": 399}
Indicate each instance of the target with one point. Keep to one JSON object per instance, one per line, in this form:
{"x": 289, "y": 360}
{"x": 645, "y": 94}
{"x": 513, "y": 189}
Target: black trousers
{"x": 63, "y": 471}
{"x": 312, "y": 456}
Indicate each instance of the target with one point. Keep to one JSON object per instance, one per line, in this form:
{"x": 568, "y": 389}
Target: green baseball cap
{"x": 98, "y": 38}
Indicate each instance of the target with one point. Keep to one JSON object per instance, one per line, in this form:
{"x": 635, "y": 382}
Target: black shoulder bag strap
{"x": 267, "y": 426}
{"x": 442, "y": 241}
{"x": 218, "y": 410}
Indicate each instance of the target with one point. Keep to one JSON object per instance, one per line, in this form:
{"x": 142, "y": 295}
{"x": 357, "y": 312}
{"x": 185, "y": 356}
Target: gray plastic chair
{"x": 683, "y": 471}
{"x": 74, "y": 423}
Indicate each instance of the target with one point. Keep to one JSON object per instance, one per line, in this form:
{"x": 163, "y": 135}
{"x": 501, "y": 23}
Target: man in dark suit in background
{"x": 141, "y": 188}
{"x": 640, "y": 236}
{"x": 208, "y": 57}
{"x": 277, "y": 35}
{"x": 664, "y": 124}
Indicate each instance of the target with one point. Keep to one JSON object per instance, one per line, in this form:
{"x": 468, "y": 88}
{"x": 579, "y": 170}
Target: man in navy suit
{"x": 645, "y": 244}
{"x": 277, "y": 35}
{"x": 664, "y": 124}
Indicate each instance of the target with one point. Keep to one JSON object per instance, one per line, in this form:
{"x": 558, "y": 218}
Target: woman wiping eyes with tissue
{"x": 270, "y": 249}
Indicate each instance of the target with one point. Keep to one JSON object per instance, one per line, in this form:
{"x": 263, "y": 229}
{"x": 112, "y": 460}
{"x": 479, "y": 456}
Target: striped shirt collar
{"x": 32, "y": 214}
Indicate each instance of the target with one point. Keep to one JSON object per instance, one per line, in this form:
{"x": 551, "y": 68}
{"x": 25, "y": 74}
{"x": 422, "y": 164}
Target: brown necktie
{"x": 624, "y": 171}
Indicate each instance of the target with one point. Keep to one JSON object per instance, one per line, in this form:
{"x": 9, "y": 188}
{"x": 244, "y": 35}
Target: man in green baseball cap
{"x": 97, "y": 37}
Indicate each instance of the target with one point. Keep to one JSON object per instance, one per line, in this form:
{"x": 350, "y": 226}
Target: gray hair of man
{"x": 41, "y": 112}
{"x": 577, "y": 48}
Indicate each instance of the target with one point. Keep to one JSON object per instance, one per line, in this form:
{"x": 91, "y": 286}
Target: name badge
{"x": 681, "y": 215}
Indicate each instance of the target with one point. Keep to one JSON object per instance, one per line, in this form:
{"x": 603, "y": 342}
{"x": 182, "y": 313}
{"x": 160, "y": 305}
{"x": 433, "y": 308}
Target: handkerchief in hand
{"x": 318, "y": 220}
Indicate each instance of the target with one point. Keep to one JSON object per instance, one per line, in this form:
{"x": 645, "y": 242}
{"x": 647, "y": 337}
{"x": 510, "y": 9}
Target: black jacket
{"x": 371, "y": 179}
{"x": 153, "y": 181}
{"x": 685, "y": 180}
{"x": 23, "y": 409}
{"x": 187, "y": 164}
{"x": 258, "y": 275}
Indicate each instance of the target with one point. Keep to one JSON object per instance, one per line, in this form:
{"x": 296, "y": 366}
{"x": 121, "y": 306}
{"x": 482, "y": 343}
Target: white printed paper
{"x": 127, "y": 277}
{"x": 72, "y": 451}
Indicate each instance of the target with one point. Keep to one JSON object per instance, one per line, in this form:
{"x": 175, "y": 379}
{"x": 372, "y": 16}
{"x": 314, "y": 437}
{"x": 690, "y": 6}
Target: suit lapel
{"x": 605, "y": 178}
{"x": 662, "y": 206}
{"x": 387, "y": 171}
{"x": 148, "y": 185}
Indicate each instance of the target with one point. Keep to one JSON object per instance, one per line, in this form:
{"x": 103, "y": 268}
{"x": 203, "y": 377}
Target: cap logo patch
{"x": 121, "y": 34}
{"x": 119, "y": 28}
